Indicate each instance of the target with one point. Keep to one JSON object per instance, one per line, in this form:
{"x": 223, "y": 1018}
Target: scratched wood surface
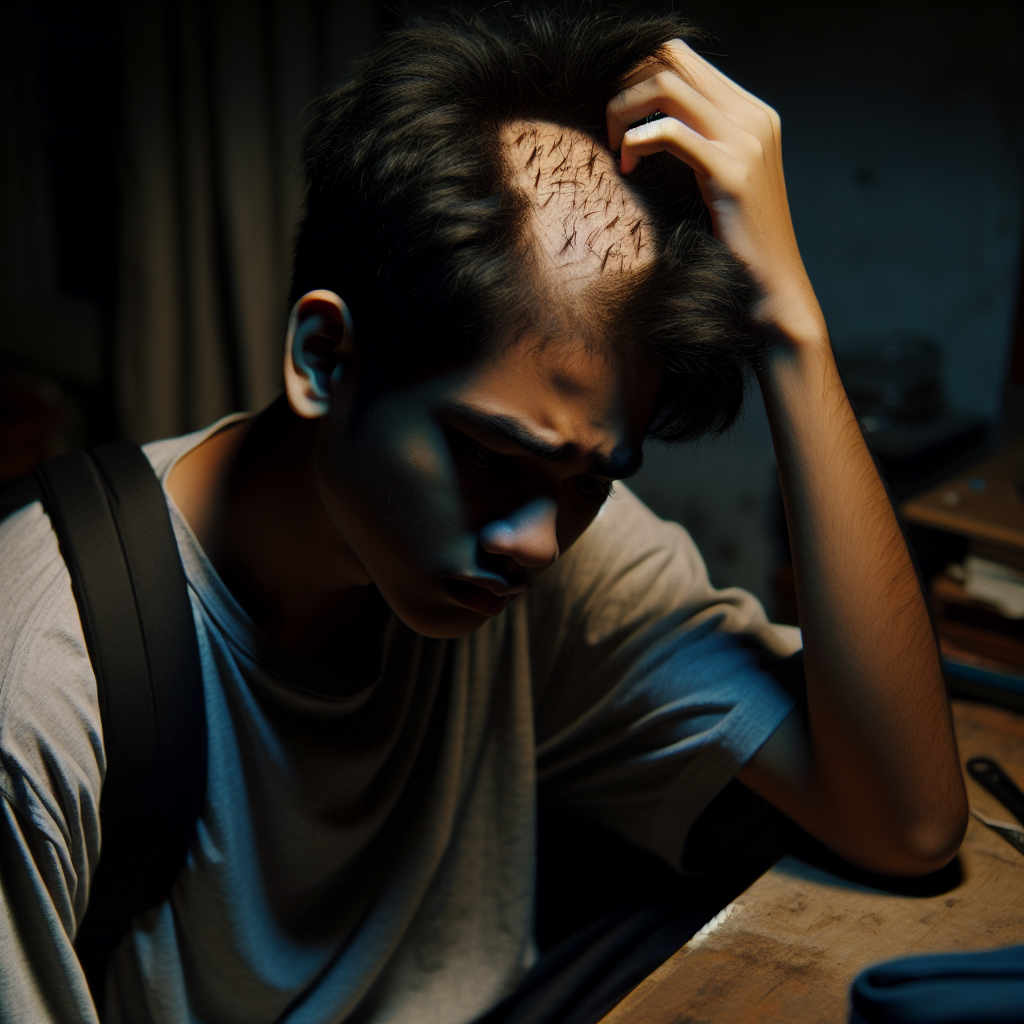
{"x": 787, "y": 949}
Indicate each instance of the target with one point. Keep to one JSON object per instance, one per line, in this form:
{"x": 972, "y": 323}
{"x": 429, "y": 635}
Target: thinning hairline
{"x": 571, "y": 310}
{"x": 513, "y": 176}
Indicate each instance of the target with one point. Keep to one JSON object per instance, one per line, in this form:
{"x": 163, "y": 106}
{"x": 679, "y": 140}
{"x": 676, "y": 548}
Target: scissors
{"x": 991, "y": 776}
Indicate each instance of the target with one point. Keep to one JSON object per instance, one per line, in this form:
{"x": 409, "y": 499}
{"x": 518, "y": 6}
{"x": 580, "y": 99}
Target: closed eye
{"x": 479, "y": 456}
{"x": 482, "y": 458}
{"x": 593, "y": 487}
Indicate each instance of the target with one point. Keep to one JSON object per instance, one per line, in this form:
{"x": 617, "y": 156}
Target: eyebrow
{"x": 623, "y": 462}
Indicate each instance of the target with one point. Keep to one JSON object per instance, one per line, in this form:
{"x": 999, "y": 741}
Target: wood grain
{"x": 788, "y": 948}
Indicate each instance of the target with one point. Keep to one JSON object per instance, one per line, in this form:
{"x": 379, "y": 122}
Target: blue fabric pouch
{"x": 945, "y": 988}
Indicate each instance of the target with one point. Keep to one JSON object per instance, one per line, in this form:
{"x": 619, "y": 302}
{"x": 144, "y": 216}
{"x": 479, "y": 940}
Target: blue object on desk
{"x": 943, "y": 988}
{"x": 997, "y": 680}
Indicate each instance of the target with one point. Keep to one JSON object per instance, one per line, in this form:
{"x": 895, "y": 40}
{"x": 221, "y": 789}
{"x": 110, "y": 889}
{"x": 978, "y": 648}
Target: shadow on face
{"x": 457, "y": 492}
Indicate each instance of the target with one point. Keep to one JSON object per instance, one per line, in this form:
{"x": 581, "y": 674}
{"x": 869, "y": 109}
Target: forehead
{"x": 564, "y": 392}
{"x": 587, "y": 223}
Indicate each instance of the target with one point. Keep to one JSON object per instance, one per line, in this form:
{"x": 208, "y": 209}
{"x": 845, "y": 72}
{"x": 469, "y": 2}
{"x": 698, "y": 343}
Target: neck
{"x": 250, "y": 495}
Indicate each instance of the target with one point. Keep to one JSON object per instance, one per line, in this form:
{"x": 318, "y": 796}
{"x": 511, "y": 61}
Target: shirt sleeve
{"x": 652, "y": 687}
{"x": 51, "y": 767}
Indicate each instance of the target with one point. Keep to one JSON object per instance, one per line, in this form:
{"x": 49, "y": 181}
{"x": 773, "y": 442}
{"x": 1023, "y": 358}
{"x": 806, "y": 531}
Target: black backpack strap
{"x": 110, "y": 515}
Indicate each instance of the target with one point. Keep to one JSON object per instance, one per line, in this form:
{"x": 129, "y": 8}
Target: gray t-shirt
{"x": 370, "y": 855}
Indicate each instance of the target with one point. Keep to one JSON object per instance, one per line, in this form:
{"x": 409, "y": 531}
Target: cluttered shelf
{"x": 977, "y": 598}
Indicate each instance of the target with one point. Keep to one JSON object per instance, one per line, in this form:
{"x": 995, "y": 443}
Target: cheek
{"x": 392, "y": 489}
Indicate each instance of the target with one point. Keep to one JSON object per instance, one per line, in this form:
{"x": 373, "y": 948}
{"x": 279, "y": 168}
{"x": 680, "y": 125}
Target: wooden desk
{"x": 787, "y": 949}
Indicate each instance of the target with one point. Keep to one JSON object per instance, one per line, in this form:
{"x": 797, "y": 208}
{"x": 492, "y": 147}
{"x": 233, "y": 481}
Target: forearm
{"x": 874, "y": 771}
{"x": 881, "y": 773}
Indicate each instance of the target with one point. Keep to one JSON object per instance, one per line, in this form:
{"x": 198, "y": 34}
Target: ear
{"x": 319, "y": 350}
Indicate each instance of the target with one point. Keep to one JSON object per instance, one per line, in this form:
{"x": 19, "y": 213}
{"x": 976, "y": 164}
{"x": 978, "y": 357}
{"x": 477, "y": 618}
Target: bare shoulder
{"x": 198, "y": 480}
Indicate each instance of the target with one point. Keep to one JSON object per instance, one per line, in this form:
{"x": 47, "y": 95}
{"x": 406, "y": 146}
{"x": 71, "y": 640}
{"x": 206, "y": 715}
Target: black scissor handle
{"x": 990, "y": 774}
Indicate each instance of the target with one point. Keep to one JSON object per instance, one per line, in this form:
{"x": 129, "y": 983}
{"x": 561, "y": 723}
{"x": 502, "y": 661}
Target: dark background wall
{"x": 59, "y": 186}
{"x": 904, "y": 145}
{"x": 903, "y": 136}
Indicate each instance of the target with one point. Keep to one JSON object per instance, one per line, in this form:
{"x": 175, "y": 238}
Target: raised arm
{"x": 872, "y": 770}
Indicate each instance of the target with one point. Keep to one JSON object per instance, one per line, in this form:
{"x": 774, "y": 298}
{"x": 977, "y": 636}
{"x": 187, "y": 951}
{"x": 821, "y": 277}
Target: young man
{"x": 419, "y": 592}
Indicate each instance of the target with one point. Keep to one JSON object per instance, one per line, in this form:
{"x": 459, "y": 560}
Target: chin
{"x": 439, "y": 622}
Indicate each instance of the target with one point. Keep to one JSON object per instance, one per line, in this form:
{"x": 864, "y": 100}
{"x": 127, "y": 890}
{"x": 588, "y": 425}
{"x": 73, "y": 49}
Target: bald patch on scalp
{"x": 585, "y": 220}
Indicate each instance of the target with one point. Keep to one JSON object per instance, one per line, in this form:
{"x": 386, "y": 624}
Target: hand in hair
{"x": 871, "y": 766}
{"x": 733, "y": 142}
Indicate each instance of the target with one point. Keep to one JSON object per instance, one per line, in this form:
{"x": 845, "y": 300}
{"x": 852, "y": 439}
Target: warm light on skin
{"x": 403, "y": 501}
{"x": 424, "y": 492}
{"x": 587, "y": 223}
{"x": 489, "y": 473}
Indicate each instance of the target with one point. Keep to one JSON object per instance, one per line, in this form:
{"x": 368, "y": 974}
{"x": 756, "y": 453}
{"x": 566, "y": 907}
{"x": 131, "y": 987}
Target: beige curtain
{"x": 216, "y": 97}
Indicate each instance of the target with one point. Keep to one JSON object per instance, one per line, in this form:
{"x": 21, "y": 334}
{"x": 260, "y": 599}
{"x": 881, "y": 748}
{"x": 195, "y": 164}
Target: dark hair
{"x": 413, "y": 217}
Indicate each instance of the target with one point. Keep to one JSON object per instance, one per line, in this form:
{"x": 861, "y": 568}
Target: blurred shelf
{"x": 915, "y": 456}
{"x": 984, "y": 504}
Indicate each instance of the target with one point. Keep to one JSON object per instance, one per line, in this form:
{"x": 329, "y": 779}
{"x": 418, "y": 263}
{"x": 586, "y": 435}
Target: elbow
{"x": 929, "y": 854}
{"x": 930, "y": 843}
{"x": 896, "y": 843}
{"x": 911, "y": 856}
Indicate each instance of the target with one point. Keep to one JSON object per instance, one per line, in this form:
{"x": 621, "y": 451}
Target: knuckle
{"x": 662, "y": 81}
{"x": 772, "y": 124}
{"x": 616, "y": 103}
{"x": 753, "y": 148}
{"x": 764, "y": 124}
{"x": 734, "y": 178}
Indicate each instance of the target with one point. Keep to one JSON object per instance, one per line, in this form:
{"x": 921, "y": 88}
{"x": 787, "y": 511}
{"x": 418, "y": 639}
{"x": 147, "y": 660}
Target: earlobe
{"x": 318, "y": 351}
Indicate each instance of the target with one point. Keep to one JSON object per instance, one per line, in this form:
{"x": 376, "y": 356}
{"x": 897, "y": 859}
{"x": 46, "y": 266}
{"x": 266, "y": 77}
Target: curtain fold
{"x": 216, "y": 97}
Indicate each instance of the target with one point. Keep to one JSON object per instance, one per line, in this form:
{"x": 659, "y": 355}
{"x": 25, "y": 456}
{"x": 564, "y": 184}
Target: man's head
{"x": 488, "y": 318}
{"x": 420, "y": 216}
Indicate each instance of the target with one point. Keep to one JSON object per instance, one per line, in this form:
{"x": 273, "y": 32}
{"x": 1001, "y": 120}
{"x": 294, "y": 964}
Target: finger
{"x": 668, "y": 93}
{"x": 679, "y": 139}
{"x": 703, "y": 70}
{"x": 741, "y": 106}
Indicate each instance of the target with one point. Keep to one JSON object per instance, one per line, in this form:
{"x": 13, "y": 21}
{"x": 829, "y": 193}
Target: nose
{"x": 526, "y": 535}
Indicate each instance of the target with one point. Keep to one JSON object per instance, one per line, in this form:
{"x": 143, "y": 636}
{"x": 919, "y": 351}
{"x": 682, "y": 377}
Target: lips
{"x": 480, "y": 598}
